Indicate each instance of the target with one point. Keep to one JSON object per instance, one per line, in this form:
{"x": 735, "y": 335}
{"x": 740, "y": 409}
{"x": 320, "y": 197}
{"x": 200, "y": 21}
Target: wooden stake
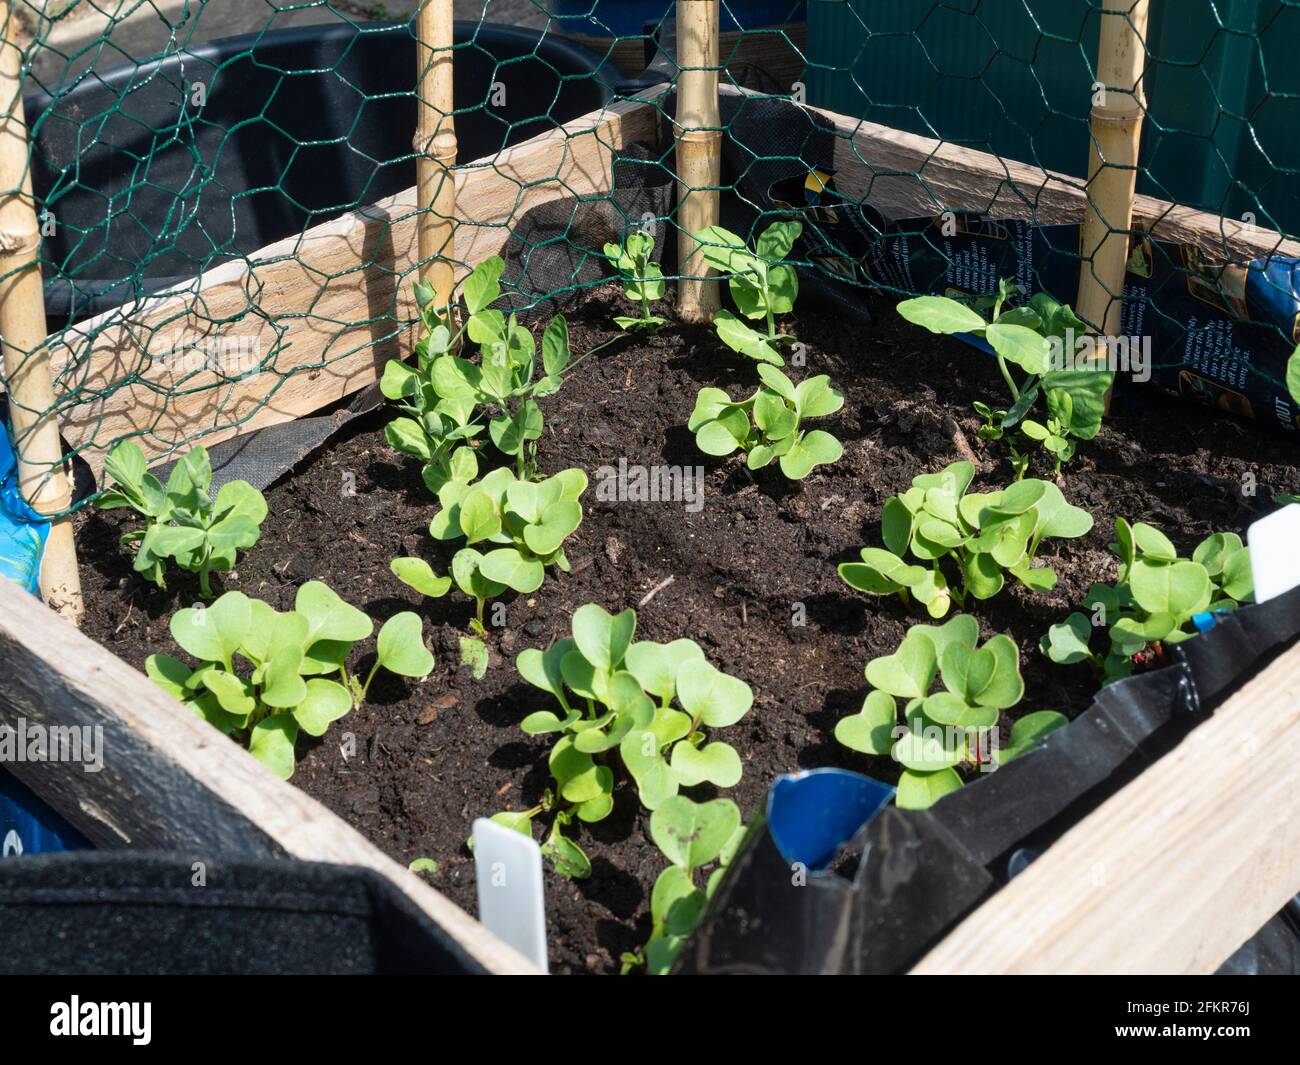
{"x": 699, "y": 154}
{"x": 435, "y": 143}
{"x": 41, "y": 476}
{"x": 1112, "y": 163}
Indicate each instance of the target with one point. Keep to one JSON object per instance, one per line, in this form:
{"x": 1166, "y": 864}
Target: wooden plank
{"x": 904, "y": 175}
{"x": 1171, "y": 874}
{"x": 169, "y": 781}
{"x": 309, "y": 319}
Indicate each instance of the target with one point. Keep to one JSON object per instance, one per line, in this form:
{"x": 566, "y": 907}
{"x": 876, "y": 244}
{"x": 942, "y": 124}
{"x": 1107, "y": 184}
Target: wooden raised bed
{"x": 1172, "y": 873}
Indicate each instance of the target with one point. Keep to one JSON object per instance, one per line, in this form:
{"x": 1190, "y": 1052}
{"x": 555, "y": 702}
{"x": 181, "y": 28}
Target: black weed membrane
{"x": 834, "y": 880}
{"x": 139, "y": 913}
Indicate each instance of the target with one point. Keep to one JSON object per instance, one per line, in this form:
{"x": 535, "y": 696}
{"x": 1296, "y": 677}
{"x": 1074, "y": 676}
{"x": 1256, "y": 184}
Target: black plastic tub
{"x": 297, "y": 126}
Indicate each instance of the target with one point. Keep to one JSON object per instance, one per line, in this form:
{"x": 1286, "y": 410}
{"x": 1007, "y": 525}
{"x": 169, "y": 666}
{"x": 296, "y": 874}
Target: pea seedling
{"x": 769, "y": 426}
{"x": 1075, "y": 398}
{"x": 761, "y": 283}
{"x": 949, "y": 729}
{"x": 183, "y": 522}
{"x": 291, "y": 656}
{"x": 690, "y": 835}
{"x": 446, "y": 395}
{"x": 643, "y": 279}
{"x": 1158, "y": 599}
{"x": 982, "y": 537}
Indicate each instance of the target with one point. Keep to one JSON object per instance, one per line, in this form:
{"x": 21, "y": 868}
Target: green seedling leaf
{"x": 1179, "y": 589}
{"x": 815, "y": 448}
{"x": 602, "y": 638}
{"x": 870, "y": 731}
{"x": 565, "y": 856}
{"x": 909, "y": 671}
{"x": 577, "y": 777}
{"x": 1028, "y": 732}
{"x": 418, "y": 574}
{"x": 655, "y": 781}
{"x": 513, "y": 568}
{"x": 716, "y": 763}
{"x": 324, "y": 704}
{"x": 1152, "y": 544}
{"x": 214, "y": 633}
{"x": 542, "y": 669}
{"x": 1066, "y": 643}
{"x": 328, "y": 616}
{"x": 711, "y": 696}
{"x": 691, "y": 834}
{"x": 424, "y": 865}
{"x": 918, "y": 791}
{"x": 655, "y": 665}
{"x": 272, "y": 743}
{"x": 942, "y": 315}
{"x": 474, "y": 653}
{"x": 400, "y": 646}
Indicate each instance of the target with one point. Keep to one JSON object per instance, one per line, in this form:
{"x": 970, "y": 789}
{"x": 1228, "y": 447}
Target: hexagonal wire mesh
{"x": 217, "y": 210}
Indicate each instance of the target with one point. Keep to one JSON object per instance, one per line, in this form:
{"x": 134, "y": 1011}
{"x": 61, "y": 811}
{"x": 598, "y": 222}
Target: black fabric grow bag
{"x": 298, "y": 126}
{"x": 893, "y": 889}
{"x": 128, "y": 913}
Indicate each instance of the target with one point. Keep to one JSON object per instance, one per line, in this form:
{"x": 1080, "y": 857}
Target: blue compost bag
{"x": 22, "y": 532}
{"x": 1219, "y": 334}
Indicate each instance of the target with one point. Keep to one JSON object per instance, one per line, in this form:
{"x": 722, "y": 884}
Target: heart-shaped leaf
{"x": 711, "y": 696}
{"x": 909, "y": 671}
{"x": 400, "y": 646}
{"x": 1179, "y": 589}
{"x": 917, "y": 791}
{"x": 603, "y": 638}
{"x": 325, "y": 703}
{"x": 1028, "y": 732}
{"x": 871, "y": 730}
{"x": 271, "y": 743}
{"x": 691, "y": 834}
{"x": 542, "y": 668}
{"x": 512, "y": 568}
{"x": 716, "y": 763}
{"x": 1066, "y": 643}
{"x": 555, "y": 523}
{"x": 214, "y": 633}
{"x": 328, "y": 616}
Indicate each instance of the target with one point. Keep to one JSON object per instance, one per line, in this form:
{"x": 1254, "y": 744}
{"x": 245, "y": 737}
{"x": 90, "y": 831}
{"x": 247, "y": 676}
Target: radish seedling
{"x": 643, "y": 279}
{"x": 761, "y": 284}
{"x": 183, "y": 522}
{"x": 1023, "y": 337}
{"x": 1158, "y": 599}
{"x": 769, "y": 426}
{"x": 690, "y": 835}
{"x": 264, "y": 674}
{"x": 947, "y": 729}
{"x": 615, "y": 696}
{"x": 981, "y": 537}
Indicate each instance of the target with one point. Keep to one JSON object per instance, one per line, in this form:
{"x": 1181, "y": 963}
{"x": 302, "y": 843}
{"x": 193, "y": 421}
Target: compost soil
{"x": 751, "y": 577}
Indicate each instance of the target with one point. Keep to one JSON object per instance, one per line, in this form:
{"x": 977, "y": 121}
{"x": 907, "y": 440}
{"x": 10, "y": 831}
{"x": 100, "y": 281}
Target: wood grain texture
{"x": 311, "y": 318}
{"x": 169, "y": 780}
{"x": 1171, "y": 874}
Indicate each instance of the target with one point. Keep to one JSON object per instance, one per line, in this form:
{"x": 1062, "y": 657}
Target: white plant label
{"x": 1274, "y": 544}
{"x": 511, "y": 898}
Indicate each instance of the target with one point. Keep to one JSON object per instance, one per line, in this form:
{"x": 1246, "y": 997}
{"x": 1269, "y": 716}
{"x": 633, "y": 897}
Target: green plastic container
{"x": 1223, "y": 88}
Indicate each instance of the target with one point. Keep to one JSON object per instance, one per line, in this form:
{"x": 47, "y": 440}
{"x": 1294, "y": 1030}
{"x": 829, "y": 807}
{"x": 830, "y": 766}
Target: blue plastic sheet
{"x": 22, "y": 532}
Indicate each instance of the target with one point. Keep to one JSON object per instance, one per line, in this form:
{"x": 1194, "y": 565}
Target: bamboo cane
{"x": 699, "y": 153}
{"x": 1116, "y": 133}
{"x": 435, "y": 145}
{"x": 41, "y": 477}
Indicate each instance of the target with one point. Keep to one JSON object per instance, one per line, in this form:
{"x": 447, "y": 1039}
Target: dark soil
{"x": 431, "y": 757}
